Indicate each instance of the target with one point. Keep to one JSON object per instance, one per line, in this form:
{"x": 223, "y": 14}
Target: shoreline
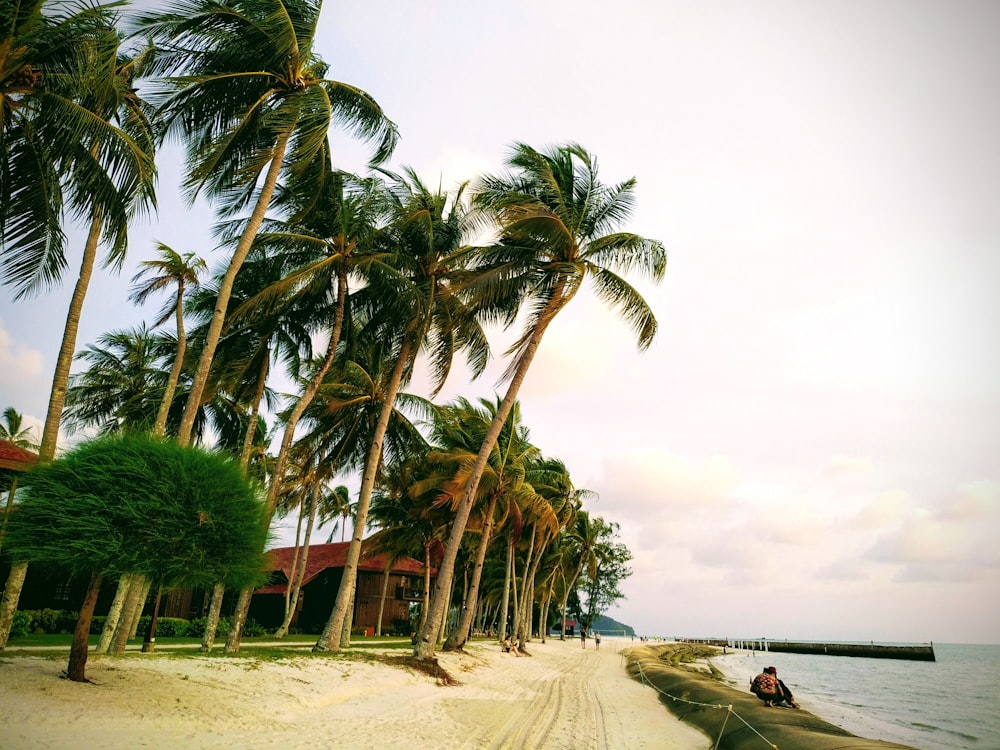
{"x": 560, "y": 696}
{"x": 696, "y": 697}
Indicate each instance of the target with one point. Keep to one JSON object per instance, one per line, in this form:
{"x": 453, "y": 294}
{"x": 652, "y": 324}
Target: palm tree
{"x": 341, "y": 511}
{"x": 58, "y": 70}
{"x": 557, "y": 227}
{"x": 169, "y": 270}
{"x": 421, "y": 312}
{"x": 459, "y": 431}
{"x": 12, "y": 430}
{"x": 122, "y": 385}
{"x": 330, "y": 240}
{"x": 249, "y": 94}
{"x": 95, "y": 149}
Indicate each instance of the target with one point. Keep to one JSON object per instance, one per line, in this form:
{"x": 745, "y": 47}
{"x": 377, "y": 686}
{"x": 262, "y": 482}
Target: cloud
{"x": 840, "y": 465}
{"x": 20, "y": 373}
{"x": 843, "y": 569}
{"x": 974, "y": 501}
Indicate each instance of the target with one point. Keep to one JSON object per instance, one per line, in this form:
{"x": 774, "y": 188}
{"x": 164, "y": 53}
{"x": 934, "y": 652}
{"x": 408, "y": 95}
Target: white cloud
{"x": 20, "y": 375}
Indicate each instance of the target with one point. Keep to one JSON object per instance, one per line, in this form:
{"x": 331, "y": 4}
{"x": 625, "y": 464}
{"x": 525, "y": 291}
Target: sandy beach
{"x": 561, "y": 696}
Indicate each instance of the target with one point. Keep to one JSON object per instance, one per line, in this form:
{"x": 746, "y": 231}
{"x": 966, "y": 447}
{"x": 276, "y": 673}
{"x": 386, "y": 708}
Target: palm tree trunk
{"x": 524, "y": 586}
{"x": 6, "y": 510}
{"x": 239, "y": 619}
{"x": 258, "y": 396}
{"x": 144, "y": 588}
{"x": 12, "y": 592}
{"x": 308, "y": 394}
{"x": 78, "y": 651}
{"x": 295, "y": 564}
{"x": 505, "y": 600}
{"x": 132, "y": 610}
{"x": 301, "y": 572}
{"x": 381, "y": 601}
{"x": 160, "y": 426}
{"x": 461, "y": 634}
{"x": 57, "y": 399}
{"x": 424, "y": 604}
{"x": 329, "y": 638}
{"x": 114, "y": 614}
{"x": 226, "y": 291}
{"x": 424, "y": 648}
{"x": 212, "y": 622}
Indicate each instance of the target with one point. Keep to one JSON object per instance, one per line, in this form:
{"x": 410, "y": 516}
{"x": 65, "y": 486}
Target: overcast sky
{"x": 811, "y": 447}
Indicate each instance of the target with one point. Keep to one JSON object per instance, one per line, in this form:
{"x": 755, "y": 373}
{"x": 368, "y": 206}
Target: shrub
{"x": 172, "y": 627}
{"x": 252, "y": 629}
{"x": 21, "y": 624}
{"x": 196, "y": 627}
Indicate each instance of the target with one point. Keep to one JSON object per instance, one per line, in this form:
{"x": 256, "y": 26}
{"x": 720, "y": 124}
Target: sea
{"x": 952, "y": 703}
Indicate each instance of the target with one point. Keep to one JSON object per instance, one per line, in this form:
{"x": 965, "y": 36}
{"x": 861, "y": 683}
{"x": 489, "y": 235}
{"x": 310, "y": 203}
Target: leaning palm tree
{"x": 81, "y": 129}
{"x": 249, "y": 94}
{"x": 458, "y": 432}
{"x": 171, "y": 269}
{"x": 558, "y": 226}
{"x": 416, "y": 307}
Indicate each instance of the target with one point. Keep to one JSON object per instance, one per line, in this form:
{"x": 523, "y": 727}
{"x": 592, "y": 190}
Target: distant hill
{"x": 610, "y": 626}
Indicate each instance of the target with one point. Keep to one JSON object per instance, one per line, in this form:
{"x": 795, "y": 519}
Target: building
{"x": 321, "y": 582}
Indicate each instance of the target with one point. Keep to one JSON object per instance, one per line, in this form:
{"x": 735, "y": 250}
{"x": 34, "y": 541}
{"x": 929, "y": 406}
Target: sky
{"x": 811, "y": 447}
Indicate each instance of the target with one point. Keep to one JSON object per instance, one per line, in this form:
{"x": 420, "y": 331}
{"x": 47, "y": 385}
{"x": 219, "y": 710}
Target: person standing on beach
{"x": 583, "y": 637}
{"x": 597, "y": 640}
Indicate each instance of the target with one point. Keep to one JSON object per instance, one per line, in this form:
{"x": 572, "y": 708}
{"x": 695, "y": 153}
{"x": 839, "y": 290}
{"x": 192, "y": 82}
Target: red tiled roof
{"x": 13, "y": 457}
{"x": 323, "y": 556}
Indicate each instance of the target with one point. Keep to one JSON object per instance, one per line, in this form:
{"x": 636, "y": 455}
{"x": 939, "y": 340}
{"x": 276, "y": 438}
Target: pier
{"x": 922, "y": 652}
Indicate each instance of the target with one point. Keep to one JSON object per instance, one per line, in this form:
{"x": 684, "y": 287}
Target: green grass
{"x": 295, "y": 644}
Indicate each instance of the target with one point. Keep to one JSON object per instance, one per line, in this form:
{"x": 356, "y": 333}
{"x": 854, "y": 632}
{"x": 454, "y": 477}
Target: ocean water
{"x": 949, "y": 704}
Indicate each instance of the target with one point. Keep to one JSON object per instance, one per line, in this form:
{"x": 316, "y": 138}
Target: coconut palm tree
{"x": 459, "y": 430}
{"x": 79, "y": 127}
{"x": 123, "y": 382}
{"x": 557, "y": 227}
{"x": 329, "y": 240}
{"x": 59, "y": 67}
{"x": 248, "y": 92}
{"x": 12, "y": 430}
{"x": 170, "y": 269}
{"x": 416, "y": 307}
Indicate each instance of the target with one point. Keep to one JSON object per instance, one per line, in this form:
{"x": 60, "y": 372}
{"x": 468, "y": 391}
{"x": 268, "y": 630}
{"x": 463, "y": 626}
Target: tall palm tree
{"x": 558, "y": 227}
{"x": 459, "y": 431}
{"x": 330, "y": 239}
{"x": 422, "y": 313}
{"x": 58, "y": 69}
{"x": 99, "y": 157}
{"x": 170, "y": 269}
{"x": 249, "y": 94}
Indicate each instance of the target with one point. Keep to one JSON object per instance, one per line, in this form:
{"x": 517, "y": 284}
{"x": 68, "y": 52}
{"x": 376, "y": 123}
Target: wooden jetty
{"x": 921, "y": 652}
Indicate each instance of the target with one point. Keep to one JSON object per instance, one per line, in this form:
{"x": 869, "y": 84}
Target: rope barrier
{"x": 729, "y": 710}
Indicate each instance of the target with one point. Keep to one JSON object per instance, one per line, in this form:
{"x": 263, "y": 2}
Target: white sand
{"x": 560, "y": 697}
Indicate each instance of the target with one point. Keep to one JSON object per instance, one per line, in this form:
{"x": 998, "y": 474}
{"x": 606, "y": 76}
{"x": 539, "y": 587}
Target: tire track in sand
{"x": 561, "y": 707}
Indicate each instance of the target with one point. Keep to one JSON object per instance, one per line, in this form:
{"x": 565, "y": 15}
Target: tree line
{"x": 385, "y": 271}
